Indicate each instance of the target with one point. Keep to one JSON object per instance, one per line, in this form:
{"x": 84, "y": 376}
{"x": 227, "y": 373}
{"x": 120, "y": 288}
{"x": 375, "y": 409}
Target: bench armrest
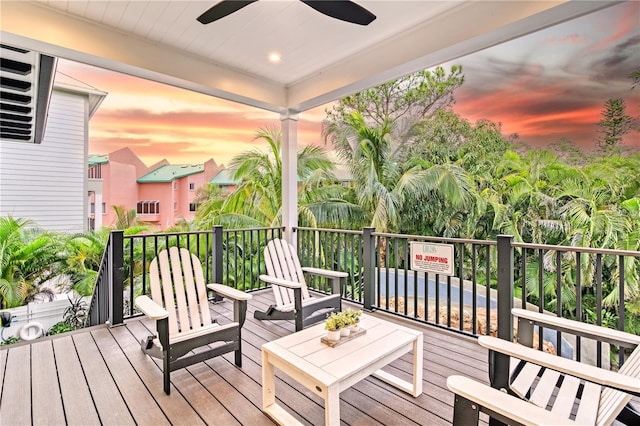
{"x": 502, "y": 403}
{"x": 591, "y": 331}
{"x": 228, "y": 292}
{"x": 587, "y": 372}
{"x": 279, "y": 281}
{"x": 151, "y": 309}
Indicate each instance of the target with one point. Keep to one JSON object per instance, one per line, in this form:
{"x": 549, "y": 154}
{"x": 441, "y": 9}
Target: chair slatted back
{"x": 597, "y": 404}
{"x": 540, "y": 386}
{"x": 177, "y": 284}
{"x": 612, "y": 401}
{"x": 282, "y": 262}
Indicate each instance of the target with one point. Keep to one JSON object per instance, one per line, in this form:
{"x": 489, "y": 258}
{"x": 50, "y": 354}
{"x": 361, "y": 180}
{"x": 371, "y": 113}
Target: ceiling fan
{"x": 344, "y": 10}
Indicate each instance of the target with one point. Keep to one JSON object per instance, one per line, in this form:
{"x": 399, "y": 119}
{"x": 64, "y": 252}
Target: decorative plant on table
{"x": 352, "y": 319}
{"x": 334, "y": 324}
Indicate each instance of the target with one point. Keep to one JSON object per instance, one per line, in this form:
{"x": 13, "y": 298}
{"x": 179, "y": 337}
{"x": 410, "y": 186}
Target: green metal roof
{"x": 224, "y": 177}
{"x": 169, "y": 172}
{"x": 95, "y": 159}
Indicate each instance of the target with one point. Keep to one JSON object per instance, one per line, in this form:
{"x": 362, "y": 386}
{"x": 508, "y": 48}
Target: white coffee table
{"x": 328, "y": 371}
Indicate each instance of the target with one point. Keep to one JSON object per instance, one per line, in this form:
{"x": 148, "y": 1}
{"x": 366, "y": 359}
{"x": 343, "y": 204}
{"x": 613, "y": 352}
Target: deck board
{"x": 16, "y": 395}
{"x": 45, "y": 397}
{"x": 107, "y": 398}
{"x": 177, "y": 409}
{"x": 78, "y": 402}
{"x": 202, "y": 402}
{"x": 143, "y": 408}
{"x": 100, "y": 376}
{"x": 3, "y": 362}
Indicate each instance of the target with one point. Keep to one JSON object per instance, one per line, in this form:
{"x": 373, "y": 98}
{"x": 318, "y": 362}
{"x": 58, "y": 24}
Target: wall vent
{"x": 26, "y": 81}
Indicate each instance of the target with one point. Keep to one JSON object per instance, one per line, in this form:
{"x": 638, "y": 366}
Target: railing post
{"x": 499, "y": 363}
{"x": 369, "y": 278}
{"x": 116, "y": 270}
{"x": 216, "y": 254}
{"x": 216, "y": 258}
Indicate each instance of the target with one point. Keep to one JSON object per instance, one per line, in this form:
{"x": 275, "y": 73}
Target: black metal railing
{"x": 580, "y": 283}
{"x": 140, "y": 250}
{"x": 380, "y": 276}
{"x": 338, "y": 250}
{"x": 233, "y": 257}
{"x": 488, "y": 279}
{"x": 242, "y": 257}
{"x": 106, "y": 301}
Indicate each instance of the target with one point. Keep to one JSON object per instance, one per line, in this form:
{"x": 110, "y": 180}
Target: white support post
{"x": 289, "y": 123}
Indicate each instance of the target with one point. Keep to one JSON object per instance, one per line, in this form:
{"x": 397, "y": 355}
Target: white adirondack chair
{"x": 180, "y": 307}
{"x": 293, "y": 300}
{"x": 546, "y": 389}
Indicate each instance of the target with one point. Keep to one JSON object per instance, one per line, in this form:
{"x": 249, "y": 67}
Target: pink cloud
{"x": 626, "y": 23}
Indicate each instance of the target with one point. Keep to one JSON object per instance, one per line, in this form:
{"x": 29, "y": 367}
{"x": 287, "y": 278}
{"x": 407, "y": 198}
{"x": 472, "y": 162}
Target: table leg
{"x": 268, "y": 382}
{"x": 418, "y": 356}
{"x": 332, "y": 406}
{"x": 414, "y": 387}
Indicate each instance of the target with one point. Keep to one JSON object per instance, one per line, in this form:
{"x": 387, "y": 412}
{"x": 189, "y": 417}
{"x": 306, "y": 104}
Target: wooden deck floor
{"x": 100, "y": 376}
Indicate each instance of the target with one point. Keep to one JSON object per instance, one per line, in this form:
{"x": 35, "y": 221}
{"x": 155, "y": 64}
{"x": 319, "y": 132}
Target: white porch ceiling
{"x": 323, "y": 59}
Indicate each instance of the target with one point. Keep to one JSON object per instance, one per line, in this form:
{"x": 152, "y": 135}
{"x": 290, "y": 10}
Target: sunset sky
{"x": 544, "y": 86}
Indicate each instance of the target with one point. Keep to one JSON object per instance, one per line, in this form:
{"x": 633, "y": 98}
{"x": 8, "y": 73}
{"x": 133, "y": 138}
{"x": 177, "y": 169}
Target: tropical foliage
{"x": 80, "y": 260}
{"x": 28, "y": 258}
{"x": 257, "y": 200}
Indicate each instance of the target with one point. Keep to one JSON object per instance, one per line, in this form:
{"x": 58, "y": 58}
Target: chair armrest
{"x": 324, "y": 272}
{"x": 279, "y": 281}
{"x": 587, "y": 372}
{"x": 229, "y": 292}
{"x": 150, "y": 308}
{"x": 591, "y": 331}
{"x": 336, "y": 277}
{"x": 502, "y": 403}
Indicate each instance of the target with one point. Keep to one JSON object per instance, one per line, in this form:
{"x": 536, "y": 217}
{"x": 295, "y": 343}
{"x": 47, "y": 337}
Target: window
{"x": 175, "y": 185}
{"x": 95, "y": 172}
{"x": 193, "y": 207}
{"x": 192, "y": 186}
{"x": 93, "y": 207}
{"x": 175, "y": 206}
{"x": 148, "y": 207}
{"x": 104, "y": 208}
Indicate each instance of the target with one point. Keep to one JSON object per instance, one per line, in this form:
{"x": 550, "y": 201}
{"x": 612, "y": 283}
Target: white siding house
{"x": 47, "y": 182}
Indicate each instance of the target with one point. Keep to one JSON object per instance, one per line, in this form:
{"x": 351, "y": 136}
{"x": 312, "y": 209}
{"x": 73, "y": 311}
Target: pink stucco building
{"x": 161, "y": 194}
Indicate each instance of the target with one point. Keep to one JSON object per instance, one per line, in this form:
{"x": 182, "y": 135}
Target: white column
{"x": 289, "y": 123}
{"x": 98, "y": 210}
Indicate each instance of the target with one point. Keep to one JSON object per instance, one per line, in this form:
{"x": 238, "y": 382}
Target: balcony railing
{"x": 489, "y": 277}
{"x": 106, "y": 302}
{"x": 233, "y": 257}
{"x": 380, "y": 276}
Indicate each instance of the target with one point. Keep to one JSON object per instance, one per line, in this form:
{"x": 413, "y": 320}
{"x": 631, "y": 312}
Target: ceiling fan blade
{"x": 222, "y": 9}
{"x": 344, "y": 10}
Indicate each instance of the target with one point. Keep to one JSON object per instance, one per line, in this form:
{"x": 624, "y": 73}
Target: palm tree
{"x": 81, "y": 260}
{"x": 128, "y": 221}
{"x": 209, "y": 199}
{"x": 384, "y": 187}
{"x": 526, "y": 186}
{"x": 28, "y": 258}
{"x": 381, "y": 183}
{"x": 257, "y": 200}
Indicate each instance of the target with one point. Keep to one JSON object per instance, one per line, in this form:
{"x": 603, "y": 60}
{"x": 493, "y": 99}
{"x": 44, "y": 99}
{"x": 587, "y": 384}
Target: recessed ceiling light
{"x": 274, "y": 57}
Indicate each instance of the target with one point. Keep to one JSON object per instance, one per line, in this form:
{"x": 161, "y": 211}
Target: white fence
{"x": 39, "y": 316}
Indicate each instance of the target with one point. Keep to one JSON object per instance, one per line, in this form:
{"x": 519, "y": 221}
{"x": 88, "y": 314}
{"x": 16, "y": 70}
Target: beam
{"x": 34, "y": 27}
{"x": 467, "y": 29}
